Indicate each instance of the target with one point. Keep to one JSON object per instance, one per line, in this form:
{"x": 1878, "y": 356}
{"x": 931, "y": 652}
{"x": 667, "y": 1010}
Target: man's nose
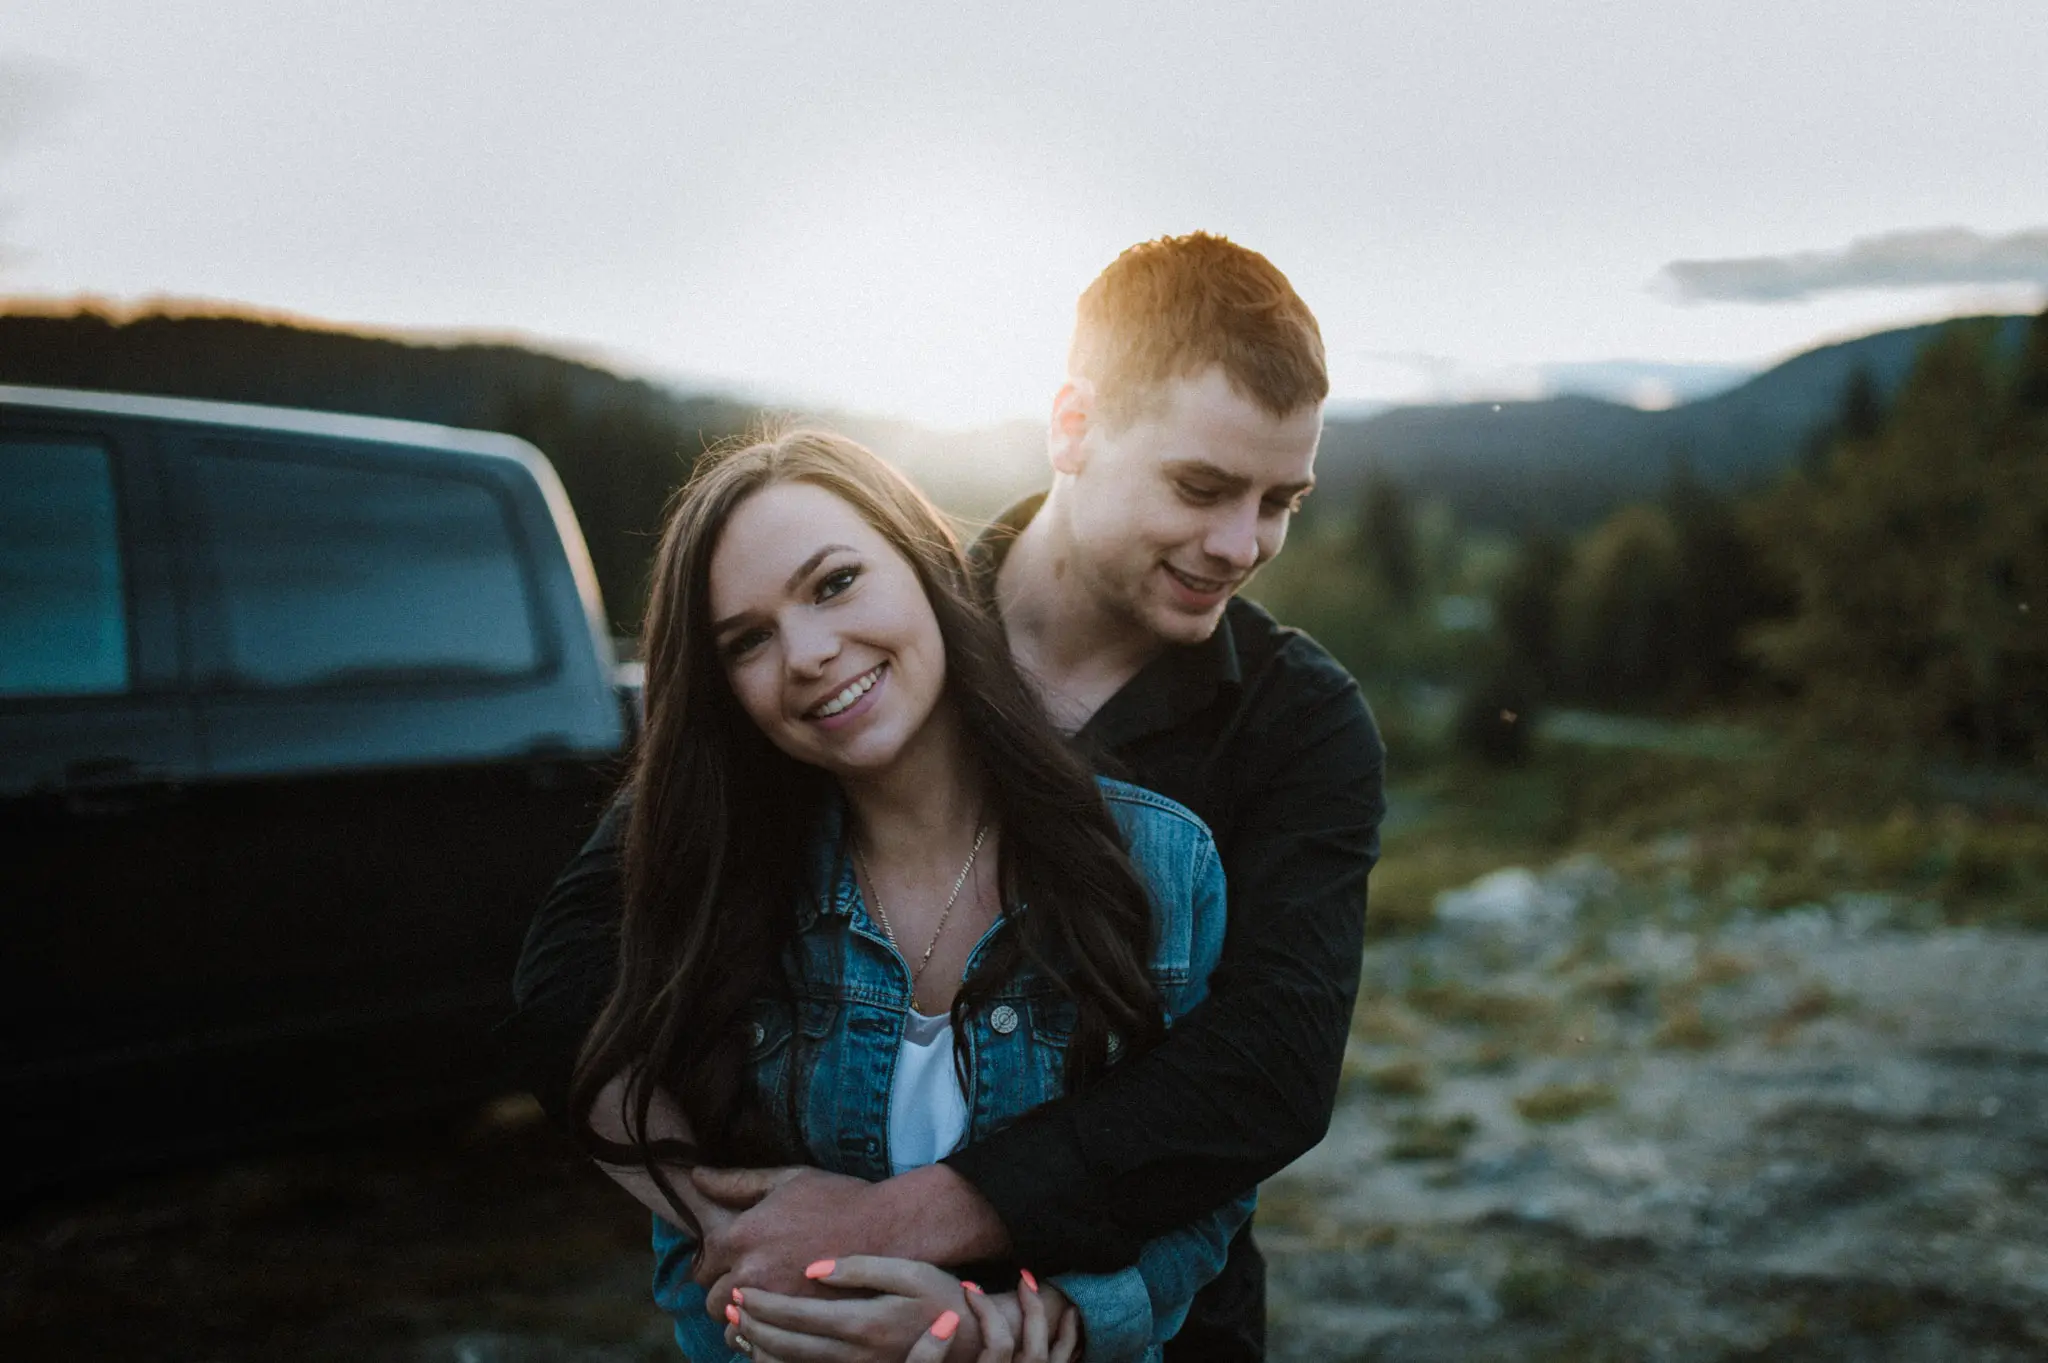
{"x": 1233, "y": 538}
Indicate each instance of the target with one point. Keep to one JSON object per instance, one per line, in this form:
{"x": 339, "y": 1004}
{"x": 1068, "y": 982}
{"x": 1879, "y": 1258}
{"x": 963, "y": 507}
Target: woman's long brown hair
{"x": 720, "y": 820}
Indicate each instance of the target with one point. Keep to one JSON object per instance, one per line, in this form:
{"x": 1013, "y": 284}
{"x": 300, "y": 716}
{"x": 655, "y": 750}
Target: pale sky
{"x": 892, "y": 206}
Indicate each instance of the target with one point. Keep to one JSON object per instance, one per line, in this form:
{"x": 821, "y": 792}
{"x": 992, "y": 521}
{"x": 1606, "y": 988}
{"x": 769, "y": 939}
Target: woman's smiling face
{"x": 824, "y": 631}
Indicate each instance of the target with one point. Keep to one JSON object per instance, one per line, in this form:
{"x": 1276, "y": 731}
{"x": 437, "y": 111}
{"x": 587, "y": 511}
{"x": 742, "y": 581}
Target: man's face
{"x": 1173, "y": 512}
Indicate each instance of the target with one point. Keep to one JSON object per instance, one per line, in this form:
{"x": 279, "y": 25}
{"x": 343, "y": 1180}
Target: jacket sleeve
{"x": 1245, "y": 1083}
{"x": 1127, "y": 1312}
{"x": 567, "y": 967}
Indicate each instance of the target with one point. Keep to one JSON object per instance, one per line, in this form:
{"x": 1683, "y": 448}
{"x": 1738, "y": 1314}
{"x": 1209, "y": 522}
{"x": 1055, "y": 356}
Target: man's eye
{"x": 1288, "y": 507}
{"x": 837, "y": 581}
{"x": 1197, "y": 494}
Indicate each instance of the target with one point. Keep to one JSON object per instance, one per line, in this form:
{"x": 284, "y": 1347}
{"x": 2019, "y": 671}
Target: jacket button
{"x": 874, "y": 1146}
{"x": 760, "y": 1033}
{"x": 1003, "y": 1018}
{"x": 1116, "y": 1045}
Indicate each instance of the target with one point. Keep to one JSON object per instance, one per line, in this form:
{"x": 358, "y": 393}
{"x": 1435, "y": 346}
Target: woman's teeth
{"x": 855, "y": 689}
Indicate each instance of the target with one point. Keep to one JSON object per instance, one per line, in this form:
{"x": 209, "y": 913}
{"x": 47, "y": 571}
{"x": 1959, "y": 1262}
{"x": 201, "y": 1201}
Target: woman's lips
{"x": 861, "y": 704}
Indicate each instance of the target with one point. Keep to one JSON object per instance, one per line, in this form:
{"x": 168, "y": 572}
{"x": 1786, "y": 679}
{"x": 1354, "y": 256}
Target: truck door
{"x": 374, "y": 672}
{"x": 99, "y": 874}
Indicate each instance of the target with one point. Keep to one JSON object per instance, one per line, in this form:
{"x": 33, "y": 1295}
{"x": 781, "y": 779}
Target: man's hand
{"x": 789, "y": 1218}
{"x": 786, "y": 1220}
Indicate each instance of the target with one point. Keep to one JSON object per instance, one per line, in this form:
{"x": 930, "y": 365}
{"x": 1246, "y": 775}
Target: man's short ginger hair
{"x": 1170, "y": 308}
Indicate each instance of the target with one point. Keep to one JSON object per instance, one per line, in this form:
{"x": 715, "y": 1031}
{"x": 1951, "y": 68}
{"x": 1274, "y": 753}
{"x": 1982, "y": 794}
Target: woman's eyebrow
{"x": 803, "y": 570}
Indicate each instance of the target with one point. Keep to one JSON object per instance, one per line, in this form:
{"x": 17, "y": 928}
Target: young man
{"x": 1181, "y": 445}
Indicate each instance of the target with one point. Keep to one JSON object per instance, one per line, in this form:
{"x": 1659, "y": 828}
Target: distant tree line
{"x": 1889, "y": 587}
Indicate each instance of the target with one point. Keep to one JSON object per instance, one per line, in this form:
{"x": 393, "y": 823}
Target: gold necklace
{"x": 874, "y": 890}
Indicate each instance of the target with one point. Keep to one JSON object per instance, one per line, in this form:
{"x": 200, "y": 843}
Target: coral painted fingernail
{"x": 1029, "y": 1281}
{"x": 968, "y": 1286}
{"x": 739, "y": 1298}
{"x": 732, "y": 1313}
{"x": 945, "y": 1325}
{"x": 821, "y": 1269}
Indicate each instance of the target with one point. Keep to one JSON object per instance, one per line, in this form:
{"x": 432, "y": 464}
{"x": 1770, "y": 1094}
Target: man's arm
{"x": 1245, "y": 1082}
{"x": 568, "y": 966}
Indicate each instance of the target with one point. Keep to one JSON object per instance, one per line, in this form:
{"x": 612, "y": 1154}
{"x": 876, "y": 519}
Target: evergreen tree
{"x": 1862, "y": 413}
{"x": 1387, "y": 541}
{"x": 2030, "y": 389}
{"x": 1859, "y": 415}
{"x": 1525, "y": 609}
{"x": 1723, "y": 589}
{"x": 1915, "y": 561}
{"x": 1619, "y": 610}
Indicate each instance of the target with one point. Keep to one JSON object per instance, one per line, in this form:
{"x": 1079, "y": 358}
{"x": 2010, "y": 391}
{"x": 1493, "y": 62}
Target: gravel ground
{"x": 1821, "y": 1135}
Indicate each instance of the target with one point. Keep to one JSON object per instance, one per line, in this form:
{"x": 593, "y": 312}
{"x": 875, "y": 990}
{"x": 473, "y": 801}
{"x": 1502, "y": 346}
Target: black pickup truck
{"x": 299, "y": 716}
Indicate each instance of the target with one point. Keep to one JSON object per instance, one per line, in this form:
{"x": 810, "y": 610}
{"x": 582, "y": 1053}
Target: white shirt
{"x": 927, "y": 1110}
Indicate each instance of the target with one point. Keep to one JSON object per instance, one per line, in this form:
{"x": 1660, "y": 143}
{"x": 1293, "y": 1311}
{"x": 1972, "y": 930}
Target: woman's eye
{"x": 836, "y": 581}
{"x": 744, "y": 643}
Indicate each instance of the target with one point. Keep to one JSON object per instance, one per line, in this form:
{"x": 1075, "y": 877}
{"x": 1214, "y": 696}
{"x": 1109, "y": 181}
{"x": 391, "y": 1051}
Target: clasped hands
{"x": 766, "y": 1235}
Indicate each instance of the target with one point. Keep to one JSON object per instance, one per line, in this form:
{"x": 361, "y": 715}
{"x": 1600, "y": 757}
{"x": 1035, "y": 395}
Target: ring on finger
{"x": 743, "y": 1344}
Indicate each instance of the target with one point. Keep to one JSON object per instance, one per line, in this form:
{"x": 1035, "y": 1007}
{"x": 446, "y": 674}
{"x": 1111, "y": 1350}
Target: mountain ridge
{"x": 1564, "y": 461}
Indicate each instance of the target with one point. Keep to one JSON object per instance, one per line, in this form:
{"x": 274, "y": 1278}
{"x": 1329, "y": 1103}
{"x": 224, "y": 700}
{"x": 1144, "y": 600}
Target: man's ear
{"x": 1073, "y": 411}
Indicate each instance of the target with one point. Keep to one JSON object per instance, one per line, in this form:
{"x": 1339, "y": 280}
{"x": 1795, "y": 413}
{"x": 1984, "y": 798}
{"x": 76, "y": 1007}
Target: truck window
{"x": 332, "y": 572}
{"x": 63, "y": 621}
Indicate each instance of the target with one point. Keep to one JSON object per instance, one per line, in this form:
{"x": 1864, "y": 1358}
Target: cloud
{"x": 1895, "y": 260}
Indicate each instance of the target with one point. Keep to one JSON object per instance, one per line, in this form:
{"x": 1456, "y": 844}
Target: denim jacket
{"x": 852, "y": 993}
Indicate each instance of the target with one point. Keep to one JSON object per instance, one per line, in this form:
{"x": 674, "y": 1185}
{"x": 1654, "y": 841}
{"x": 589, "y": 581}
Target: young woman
{"x": 875, "y": 907}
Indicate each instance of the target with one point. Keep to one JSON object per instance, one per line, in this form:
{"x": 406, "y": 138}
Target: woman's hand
{"x": 999, "y": 1341}
{"x": 906, "y": 1314}
{"x": 902, "y": 1300}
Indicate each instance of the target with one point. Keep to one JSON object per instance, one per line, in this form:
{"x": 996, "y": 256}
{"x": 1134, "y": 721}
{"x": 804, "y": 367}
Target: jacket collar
{"x": 833, "y": 889}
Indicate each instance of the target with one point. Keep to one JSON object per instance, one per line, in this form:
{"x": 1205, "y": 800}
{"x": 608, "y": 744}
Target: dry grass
{"x": 1813, "y": 1001}
{"x": 1799, "y": 826}
{"x": 1563, "y": 1102}
{"x": 1722, "y": 967}
{"x": 1460, "y": 1004}
{"x": 1491, "y": 1057}
{"x": 1616, "y": 987}
{"x": 1384, "y": 1021}
{"x": 1401, "y": 1079}
{"x": 1683, "y": 1027}
{"x": 1422, "y": 1136}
